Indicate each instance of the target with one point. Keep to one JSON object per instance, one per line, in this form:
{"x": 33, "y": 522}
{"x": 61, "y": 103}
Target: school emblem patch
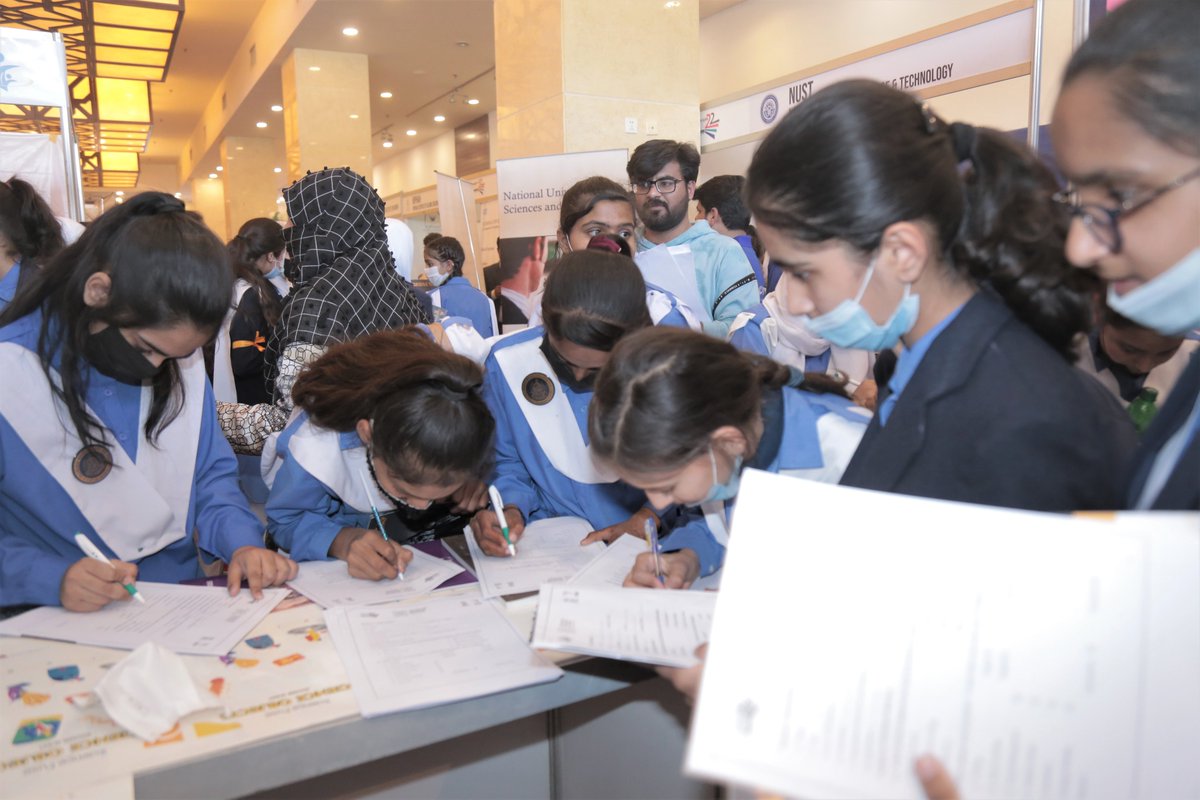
{"x": 92, "y": 464}
{"x": 538, "y": 388}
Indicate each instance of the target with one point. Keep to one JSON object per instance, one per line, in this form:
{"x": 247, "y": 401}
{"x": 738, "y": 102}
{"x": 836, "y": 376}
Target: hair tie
{"x": 933, "y": 123}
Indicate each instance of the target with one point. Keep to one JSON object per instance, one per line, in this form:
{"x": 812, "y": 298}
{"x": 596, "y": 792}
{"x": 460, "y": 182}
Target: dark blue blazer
{"x": 1181, "y": 492}
{"x": 994, "y": 415}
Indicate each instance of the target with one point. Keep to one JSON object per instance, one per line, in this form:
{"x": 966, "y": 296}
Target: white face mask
{"x": 436, "y": 277}
{"x": 1169, "y": 304}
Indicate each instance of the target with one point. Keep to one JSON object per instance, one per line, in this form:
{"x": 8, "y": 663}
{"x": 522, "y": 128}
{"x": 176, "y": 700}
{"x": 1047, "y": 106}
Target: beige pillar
{"x": 569, "y": 73}
{"x": 326, "y": 112}
{"x": 251, "y": 185}
{"x": 208, "y": 200}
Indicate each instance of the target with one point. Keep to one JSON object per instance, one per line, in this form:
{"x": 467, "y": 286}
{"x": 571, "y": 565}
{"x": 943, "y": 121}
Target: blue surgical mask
{"x": 1169, "y": 304}
{"x": 849, "y": 325}
{"x": 729, "y": 489}
{"x": 435, "y": 277}
{"x": 273, "y": 274}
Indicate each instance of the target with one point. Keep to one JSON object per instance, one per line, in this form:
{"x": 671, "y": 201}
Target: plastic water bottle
{"x": 1143, "y": 408}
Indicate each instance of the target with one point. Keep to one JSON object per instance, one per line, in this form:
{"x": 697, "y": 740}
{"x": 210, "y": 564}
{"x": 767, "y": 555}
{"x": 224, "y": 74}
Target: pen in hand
{"x": 652, "y": 540}
{"x": 375, "y": 511}
{"x": 91, "y": 551}
{"x": 501, "y": 520}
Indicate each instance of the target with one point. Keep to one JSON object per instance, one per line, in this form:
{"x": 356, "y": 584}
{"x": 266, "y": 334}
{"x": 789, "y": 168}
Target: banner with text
{"x": 1001, "y": 43}
{"x": 456, "y": 208}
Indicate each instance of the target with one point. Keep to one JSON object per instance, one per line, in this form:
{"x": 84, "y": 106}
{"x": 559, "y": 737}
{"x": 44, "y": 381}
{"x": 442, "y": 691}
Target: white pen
{"x": 91, "y": 551}
{"x": 498, "y": 507}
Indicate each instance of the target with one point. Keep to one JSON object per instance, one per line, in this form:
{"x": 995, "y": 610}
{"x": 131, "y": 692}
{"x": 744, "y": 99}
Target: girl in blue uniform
{"x": 108, "y": 424}
{"x": 538, "y": 385}
{"x": 680, "y": 414}
{"x": 452, "y": 292}
{"x": 894, "y": 227}
{"x": 390, "y": 421}
{"x": 29, "y": 236}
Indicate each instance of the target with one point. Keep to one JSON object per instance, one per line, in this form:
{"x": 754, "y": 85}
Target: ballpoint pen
{"x": 375, "y": 511}
{"x": 91, "y": 551}
{"x": 498, "y": 507}
{"x": 652, "y": 540}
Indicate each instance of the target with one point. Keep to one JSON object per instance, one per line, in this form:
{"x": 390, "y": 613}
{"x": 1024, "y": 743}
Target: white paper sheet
{"x": 674, "y": 269}
{"x": 328, "y": 583}
{"x": 194, "y": 620}
{"x": 651, "y": 626}
{"x": 431, "y": 651}
{"x": 611, "y": 567}
{"x": 548, "y": 552}
{"x": 1014, "y": 646}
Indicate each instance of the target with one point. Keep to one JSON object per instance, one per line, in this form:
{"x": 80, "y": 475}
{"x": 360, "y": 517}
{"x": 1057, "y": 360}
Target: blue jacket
{"x": 460, "y": 299}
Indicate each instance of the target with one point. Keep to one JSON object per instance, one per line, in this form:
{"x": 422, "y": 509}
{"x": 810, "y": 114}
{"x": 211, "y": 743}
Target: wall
{"x": 414, "y": 168}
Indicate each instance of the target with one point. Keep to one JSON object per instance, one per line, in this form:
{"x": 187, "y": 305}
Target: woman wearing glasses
{"x": 1127, "y": 135}
{"x": 892, "y": 226}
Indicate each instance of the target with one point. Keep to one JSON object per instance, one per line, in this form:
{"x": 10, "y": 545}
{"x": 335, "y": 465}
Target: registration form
{"x": 547, "y": 552}
{"x": 329, "y": 583}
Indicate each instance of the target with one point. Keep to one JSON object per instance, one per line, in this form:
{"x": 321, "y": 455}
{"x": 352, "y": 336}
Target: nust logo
{"x": 769, "y": 109}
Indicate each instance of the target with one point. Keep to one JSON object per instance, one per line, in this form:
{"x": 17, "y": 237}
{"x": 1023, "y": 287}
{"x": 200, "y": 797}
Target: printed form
{"x": 430, "y": 651}
{"x": 189, "y": 620}
{"x": 651, "y": 626}
{"x": 329, "y": 583}
{"x": 548, "y": 552}
{"x": 1037, "y": 655}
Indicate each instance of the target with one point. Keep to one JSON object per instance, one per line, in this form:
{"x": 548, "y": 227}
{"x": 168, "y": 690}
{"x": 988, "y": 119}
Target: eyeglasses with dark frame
{"x": 1102, "y": 221}
{"x": 664, "y": 185}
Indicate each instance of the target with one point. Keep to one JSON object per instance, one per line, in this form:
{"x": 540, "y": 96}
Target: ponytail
{"x": 430, "y": 424}
{"x": 28, "y": 223}
{"x": 665, "y": 390}
{"x": 859, "y": 156}
{"x": 255, "y": 239}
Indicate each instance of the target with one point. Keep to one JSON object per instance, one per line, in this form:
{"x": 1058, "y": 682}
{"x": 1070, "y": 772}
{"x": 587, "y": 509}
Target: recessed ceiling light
{"x": 178, "y": 194}
{"x": 671, "y": 4}
{"x": 220, "y": 168}
{"x": 120, "y": 194}
{"x": 439, "y": 118}
{"x": 260, "y": 124}
{"x": 239, "y": 147}
{"x": 278, "y": 169}
{"x": 120, "y": 200}
{"x": 279, "y": 200}
{"x": 462, "y": 44}
{"x": 472, "y": 102}
{"x": 349, "y": 31}
{"x": 314, "y": 68}
{"x": 468, "y": 136}
{"x": 277, "y": 107}
{"x": 354, "y": 116}
{"x": 411, "y": 132}
{"x": 212, "y": 176}
{"x": 386, "y": 95}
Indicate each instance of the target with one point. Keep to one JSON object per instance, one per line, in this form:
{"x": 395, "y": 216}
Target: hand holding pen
{"x": 652, "y": 541}
{"x": 93, "y": 582}
{"x": 395, "y": 562}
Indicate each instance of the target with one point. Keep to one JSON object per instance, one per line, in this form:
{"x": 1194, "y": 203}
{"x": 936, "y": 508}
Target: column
{"x": 251, "y": 184}
{"x": 570, "y": 73}
{"x": 326, "y": 112}
{"x": 208, "y": 200}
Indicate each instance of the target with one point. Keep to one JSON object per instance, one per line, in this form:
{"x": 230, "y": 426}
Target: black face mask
{"x": 112, "y": 355}
{"x": 564, "y": 373}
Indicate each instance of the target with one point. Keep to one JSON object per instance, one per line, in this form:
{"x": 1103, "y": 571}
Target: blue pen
{"x": 652, "y": 540}
{"x": 375, "y": 511}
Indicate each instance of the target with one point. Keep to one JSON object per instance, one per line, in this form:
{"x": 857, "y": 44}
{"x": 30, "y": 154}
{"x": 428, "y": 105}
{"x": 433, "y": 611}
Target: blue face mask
{"x": 849, "y": 325}
{"x": 273, "y": 274}
{"x": 729, "y": 489}
{"x": 1169, "y": 304}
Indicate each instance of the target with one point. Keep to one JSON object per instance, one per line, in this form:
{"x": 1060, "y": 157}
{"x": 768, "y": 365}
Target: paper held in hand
{"x": 548, "y": 552}
{"x": 1034, "y": 654}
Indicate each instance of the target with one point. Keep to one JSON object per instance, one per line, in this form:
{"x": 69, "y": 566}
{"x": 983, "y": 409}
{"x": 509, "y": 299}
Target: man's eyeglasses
{"x": 1101, "y": 221}
{"x": 664, "y": 185}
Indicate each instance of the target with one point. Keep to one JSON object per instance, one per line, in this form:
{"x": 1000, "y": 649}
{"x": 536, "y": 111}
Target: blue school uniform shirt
{"x": 38, "y": 520}
{"x": 303, "y": 514}
{"x": 723, "y": 275}
{"x": 523, "y": 473}
{"x": 790, "y": 419}
{"x": 756, "y": 265}
{"x": 8, "y": 285}
{"x": 461, "y": 299}
{"x": 907, "y": 363}
{"x": 749, "y": 338}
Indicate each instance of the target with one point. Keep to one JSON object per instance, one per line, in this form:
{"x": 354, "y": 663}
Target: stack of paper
{"x": 1037, "y": 655}
{"x": 652, "y": 626}
{"x": 435, "y": 650}
{"x": 548, "y": 552}
{"x": 195, "y": 620}
{"x": 328, "y": 583}
{"x": 611, "y": 567}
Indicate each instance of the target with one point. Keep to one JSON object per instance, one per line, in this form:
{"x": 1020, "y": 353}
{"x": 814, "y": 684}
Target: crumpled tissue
{"x": 150, "y": 690}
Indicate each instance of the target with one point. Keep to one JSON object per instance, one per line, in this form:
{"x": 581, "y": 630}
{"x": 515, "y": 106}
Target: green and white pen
{"x": 498, "y": 507}
{"x": 91, "y": 551}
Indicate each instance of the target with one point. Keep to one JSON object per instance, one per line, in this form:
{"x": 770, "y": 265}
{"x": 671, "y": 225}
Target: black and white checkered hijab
{"x": 344, "y": 285}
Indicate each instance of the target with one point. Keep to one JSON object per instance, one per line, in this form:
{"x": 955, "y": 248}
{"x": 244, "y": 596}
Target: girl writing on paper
{"x": 108, "y": 424}
{"x": 256, "y": 254}
{"x": 538, "y": 385}
{"x": 679, "y": 415}
{"x": 894, "y": 227}
{"x": 452, "y": 292}
{"x": 390, "y": 422}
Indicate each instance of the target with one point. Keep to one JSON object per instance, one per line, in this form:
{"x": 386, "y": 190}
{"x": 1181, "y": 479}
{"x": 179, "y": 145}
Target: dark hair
{"x": 429, "y": 237}
{"x": 255, "y": 239}
{"x": 726, "y": 193}
{"x": 28, "y": 223}
{"x": 582, "y": 197}
{"x": 859, "y": 156}
{"x": 447, "y": 248}
{"x": 166, "y": 268}
{"x": 665, "y": 390}
{"x": 429, "y": 423}
{"x": 651, "y": 156}
{"x": 594, "y": 298}
{"x": 1146, "y": 51}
